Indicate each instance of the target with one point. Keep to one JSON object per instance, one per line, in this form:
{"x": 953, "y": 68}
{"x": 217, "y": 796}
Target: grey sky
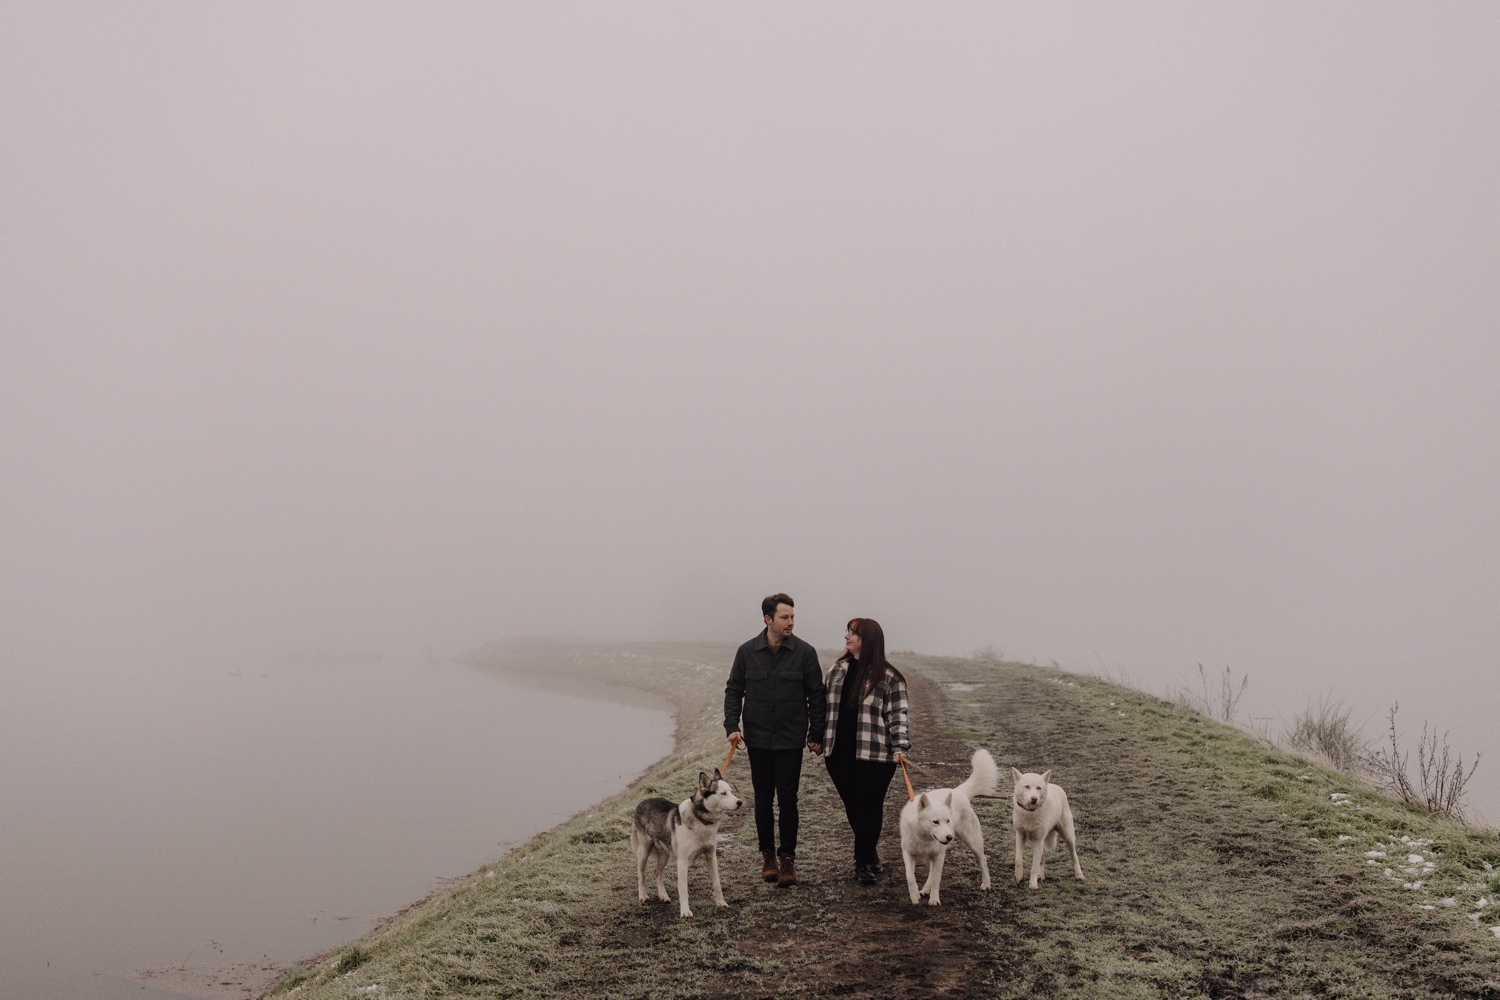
{"x": 1134, "y": 335}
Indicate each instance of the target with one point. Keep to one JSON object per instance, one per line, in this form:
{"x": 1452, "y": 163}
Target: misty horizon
{"x": 1131, "y": 337}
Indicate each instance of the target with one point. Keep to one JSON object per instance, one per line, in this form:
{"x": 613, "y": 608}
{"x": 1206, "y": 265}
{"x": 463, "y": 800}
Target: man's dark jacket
{"x": 784, "y": 702}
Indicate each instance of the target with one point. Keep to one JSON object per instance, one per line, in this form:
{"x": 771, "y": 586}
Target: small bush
{"x": 1441, "y": 779}
{"x": 1324, "y": 730}
{"x": 1219, "y": 701}
{"x": 351, "y": 960}
{"x": 1274, "y": 791}
{"x": 600, "y": 836}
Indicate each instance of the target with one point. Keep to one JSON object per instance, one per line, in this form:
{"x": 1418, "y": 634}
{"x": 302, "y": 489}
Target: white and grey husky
{"x": 1041, "y": 813}
{"x": 931, "y": 821}
{"x": 663, "y": 831}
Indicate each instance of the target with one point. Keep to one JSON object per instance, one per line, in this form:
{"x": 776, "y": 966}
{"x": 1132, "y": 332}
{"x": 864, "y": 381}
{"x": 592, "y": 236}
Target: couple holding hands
{"x": 777, "y": 701}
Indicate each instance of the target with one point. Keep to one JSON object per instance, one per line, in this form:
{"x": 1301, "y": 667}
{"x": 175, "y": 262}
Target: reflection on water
{"x": 255, "y": 815}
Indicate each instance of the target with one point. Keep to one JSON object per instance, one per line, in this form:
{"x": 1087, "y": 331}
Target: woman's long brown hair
{"x": 872, "y": 667}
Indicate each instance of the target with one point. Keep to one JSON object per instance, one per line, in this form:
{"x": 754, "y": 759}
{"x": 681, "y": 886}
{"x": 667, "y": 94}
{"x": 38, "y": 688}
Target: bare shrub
{"x": 1324, "y": 729}
{"x": 1259, "y": 726}
{"x": 988, "y": 653}
{"x": 1217, "y": 701}
{"x": 1115, "y": 675}
{"x": 1441, "y": 779}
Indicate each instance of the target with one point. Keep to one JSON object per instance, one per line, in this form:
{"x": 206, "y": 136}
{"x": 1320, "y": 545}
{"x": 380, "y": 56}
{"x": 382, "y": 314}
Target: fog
{"x": 1131, "y": 337}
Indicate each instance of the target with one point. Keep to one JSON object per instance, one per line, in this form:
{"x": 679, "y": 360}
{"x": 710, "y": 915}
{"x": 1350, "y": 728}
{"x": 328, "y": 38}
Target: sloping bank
{"x": 1217, "y": 867}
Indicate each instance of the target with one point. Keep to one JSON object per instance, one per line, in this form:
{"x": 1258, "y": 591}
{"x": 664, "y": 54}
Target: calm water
{"x": 262, "y": 813}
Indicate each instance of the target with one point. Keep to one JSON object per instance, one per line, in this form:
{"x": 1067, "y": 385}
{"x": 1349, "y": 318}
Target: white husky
{"x": 931, "y": 821}
{"x": 1041, "y": 813}
{"x": 663, "y": 831}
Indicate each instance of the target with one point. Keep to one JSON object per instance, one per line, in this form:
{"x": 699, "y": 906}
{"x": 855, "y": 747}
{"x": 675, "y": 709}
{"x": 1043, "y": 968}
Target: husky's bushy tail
{"x": 985, "y": 778}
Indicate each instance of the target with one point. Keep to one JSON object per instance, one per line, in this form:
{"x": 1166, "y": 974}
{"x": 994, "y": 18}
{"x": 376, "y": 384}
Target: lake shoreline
{"x": 535, "y": 684}
{"x": 596, "y": 670}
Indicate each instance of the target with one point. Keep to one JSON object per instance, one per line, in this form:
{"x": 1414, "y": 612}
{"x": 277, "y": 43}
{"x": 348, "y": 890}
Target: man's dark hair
{"x": 768, "y": 606}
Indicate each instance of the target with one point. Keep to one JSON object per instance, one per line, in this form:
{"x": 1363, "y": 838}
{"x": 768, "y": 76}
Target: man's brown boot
{"x": 768, "y": 869}
{"x": 788, "y": 875}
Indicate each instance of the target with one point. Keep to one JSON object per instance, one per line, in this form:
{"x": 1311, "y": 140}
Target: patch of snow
{"x": 1428, "y": 906}
{"x": 1414, "y": 859}
{"x": 1495, "y": 931}
{"x": 1344, "y": 836}
{"x": 1450, "y": 901}
{"x": 1339, "y": 796}
{"x": 1374, "y": 854}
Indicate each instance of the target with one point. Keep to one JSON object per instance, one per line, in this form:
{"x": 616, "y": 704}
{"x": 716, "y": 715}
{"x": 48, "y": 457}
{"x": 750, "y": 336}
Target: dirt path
{"x": 1194, "y": 888}
{"x": 851, "y": 940}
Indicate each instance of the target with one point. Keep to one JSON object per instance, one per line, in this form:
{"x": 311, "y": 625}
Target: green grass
{"x": 1225, "y": 866}
{"x": 1342, "y": 814}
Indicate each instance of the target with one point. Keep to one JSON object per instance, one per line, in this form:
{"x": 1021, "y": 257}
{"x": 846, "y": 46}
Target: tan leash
{"x": 727, "y": 758}
{"x": 939, "y": 779}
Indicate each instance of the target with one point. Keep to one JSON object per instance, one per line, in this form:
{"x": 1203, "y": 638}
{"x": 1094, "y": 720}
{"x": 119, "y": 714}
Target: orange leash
{"x": 909, "y": 793}
{"x": 729, "y": 757}
{"x": 928, "y": 774}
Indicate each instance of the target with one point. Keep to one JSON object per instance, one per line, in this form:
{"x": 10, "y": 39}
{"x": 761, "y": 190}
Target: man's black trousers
{"x": 862, "y": 785}
{"x": 776, "y": 773}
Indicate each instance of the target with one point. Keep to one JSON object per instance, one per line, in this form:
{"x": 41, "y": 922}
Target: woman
{"x": 865, "y": 736}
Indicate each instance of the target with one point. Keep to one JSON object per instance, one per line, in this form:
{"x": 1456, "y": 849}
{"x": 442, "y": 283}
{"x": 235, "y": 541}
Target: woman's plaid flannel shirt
{"x": 881, "y": 728}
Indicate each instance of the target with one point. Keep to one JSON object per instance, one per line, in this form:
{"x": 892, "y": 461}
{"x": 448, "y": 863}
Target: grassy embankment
{"x": 1217, "y": 866}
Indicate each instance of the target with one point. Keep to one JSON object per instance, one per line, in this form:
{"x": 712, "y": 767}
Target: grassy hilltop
{"x": 1217, "y": 866}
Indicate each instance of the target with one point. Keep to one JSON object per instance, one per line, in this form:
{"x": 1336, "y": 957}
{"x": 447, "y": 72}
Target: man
{"x": 777, "y": 680}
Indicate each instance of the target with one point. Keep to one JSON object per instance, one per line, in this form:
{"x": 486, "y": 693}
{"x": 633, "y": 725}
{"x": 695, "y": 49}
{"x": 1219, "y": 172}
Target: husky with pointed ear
{"x": 663, "y": 831}
{"x": 1041, "y": 813}
{"x": 931, "y": 821}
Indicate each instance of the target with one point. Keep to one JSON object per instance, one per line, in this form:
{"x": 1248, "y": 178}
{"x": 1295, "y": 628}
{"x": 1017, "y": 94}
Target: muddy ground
{"x": 1193, "y": 888}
